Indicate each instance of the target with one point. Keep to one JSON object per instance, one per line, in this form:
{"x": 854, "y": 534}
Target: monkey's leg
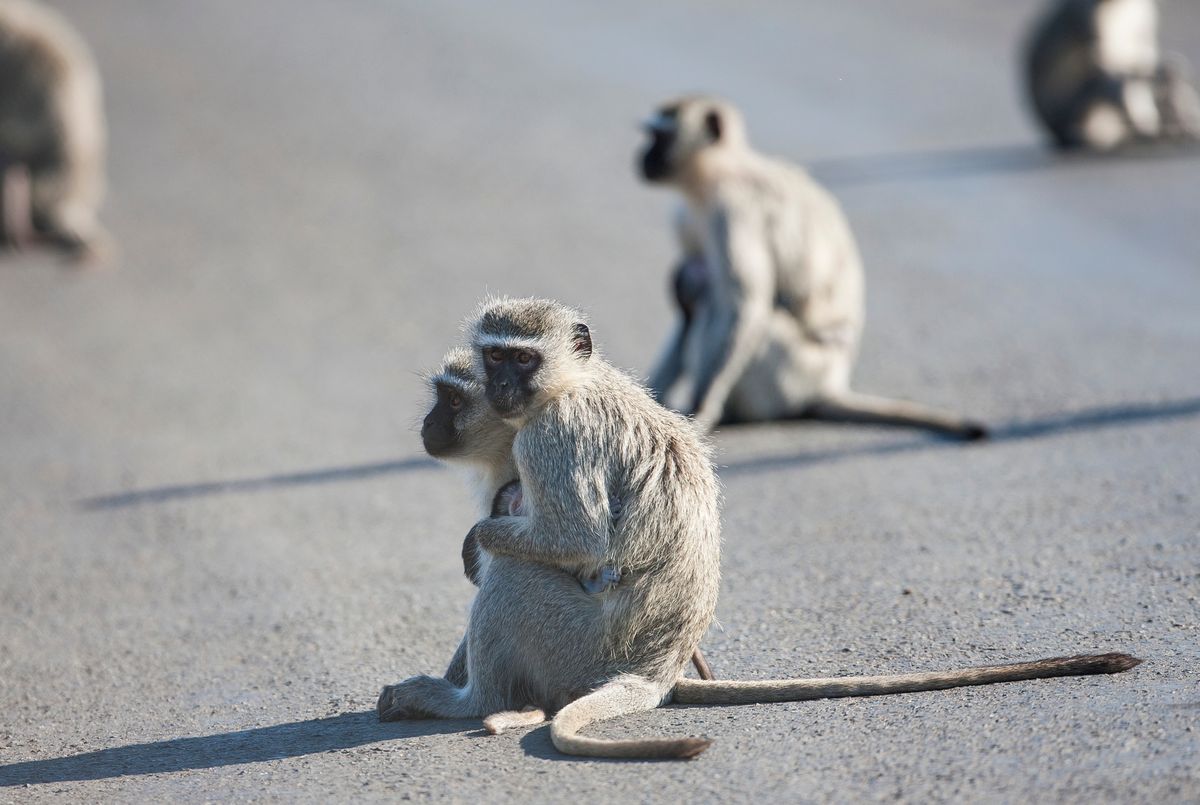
{"x": 456, "y": 673}
{"x": 426, "y": 697}
{"x": 670, "y": 365}
{"x": 622, "y": 696}
{"x": 16, "y": 207}
{"x": 1177, "y": 100}
{"x": 850, "y": 406}
{"x": 701, "y": 665}
{"x": 499, "y": 723}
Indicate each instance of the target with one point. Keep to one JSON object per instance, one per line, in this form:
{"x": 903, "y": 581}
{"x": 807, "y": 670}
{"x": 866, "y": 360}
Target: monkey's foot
{"x": 499, "y": 723}
{"x": 417, "y": 697}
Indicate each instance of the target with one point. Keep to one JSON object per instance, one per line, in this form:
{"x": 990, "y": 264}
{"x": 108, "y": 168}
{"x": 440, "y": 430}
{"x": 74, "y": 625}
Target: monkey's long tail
{"x": 622, "y": 696}
{"x": 694, "y": 691}
{"x": 868, "y": 409}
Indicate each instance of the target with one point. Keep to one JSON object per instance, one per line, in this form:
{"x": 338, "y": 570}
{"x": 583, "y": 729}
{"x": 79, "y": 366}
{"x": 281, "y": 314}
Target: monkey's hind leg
{"x": 499, "y": 723}
{"x": 851, "y": 406}
{"x": 16, "y": 206}
{"x": 426, "y": 697}
{"x": 701, "y": 664}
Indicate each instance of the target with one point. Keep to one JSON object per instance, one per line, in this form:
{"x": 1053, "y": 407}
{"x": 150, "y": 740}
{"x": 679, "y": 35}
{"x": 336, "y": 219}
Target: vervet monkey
{"x": 1097, "y": 79}
{"x": 537, "y": 642}
{"x": 770, "y": 287}
{"x": 52, "y": 133}
{"x": 586, "y": 434}
{"x": 462, "y": 429}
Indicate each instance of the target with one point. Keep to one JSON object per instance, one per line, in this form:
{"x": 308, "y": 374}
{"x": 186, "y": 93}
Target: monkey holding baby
{"x": 610, "y": 480}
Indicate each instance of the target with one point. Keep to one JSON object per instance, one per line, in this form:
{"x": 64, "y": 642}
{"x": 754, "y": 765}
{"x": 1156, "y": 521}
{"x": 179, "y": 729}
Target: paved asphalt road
{"x": 220, "y": 536}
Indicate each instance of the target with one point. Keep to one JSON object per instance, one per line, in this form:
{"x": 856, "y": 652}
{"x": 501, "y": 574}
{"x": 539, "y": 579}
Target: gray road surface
{"x": 219, "y": 535}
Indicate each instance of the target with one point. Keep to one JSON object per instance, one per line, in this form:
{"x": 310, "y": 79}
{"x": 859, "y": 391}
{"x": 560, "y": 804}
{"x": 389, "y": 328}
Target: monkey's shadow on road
{"x": 277, "y": 742}
{"x": 163, "y": 494}
{"x": 1097, "y": 418}
{"x": 1088, "y": 419}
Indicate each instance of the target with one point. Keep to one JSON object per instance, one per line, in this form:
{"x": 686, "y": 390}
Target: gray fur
{"x": 1097, "y": 79}
{"x": 536, "y": 639}
{"x": 776, "y": 333}
{"x": 52, "y": 129}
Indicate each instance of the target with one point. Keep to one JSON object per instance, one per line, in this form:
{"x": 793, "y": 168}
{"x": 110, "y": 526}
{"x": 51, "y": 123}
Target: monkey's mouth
{"x": 439, "y": 442}
{"x": 507, "y": 404}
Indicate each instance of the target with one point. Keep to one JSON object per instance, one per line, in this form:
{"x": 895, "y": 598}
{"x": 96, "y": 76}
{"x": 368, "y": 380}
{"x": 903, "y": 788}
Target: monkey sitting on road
{"x": 586, "y": 432}
{"x": 461, "y": 428}
{"x": 1097, "y": 79}
{"x": 770, "y": 288}
{"x": 52, "y": 133}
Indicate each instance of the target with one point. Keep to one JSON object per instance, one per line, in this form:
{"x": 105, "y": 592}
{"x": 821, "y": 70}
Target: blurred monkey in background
{"x": 769, "y": 287}
{"x": 52, "y": 133}
{"x": 1097, "y": 78}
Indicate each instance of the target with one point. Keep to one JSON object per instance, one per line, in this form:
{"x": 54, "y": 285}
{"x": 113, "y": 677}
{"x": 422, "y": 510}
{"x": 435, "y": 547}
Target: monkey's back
{"x": 666, "y": 540}
{"x": 818, "y": 269}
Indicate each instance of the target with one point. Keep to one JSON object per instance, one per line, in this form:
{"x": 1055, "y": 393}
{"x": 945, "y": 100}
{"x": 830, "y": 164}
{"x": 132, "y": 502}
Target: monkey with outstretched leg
{"x": 770, "y": 286}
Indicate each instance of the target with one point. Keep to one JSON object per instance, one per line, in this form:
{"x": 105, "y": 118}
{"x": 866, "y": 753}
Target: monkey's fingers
{"x": 499, "y": 723}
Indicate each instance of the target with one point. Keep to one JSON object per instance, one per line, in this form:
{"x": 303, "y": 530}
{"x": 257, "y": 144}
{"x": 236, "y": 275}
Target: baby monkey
{"x": 462, "y": 429}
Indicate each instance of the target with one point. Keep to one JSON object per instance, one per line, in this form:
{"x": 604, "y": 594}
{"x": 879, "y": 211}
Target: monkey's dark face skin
{"x": 439, "y": 433}
{"x": 656, "y": 156}
{"x": 511, "y": 377}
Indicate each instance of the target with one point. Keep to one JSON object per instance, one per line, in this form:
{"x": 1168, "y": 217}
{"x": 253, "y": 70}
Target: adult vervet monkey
{"x": 770, "y": 287}
{"x": 585, "y": 433}
{"x": 463, "y": 430}
{"x": 52, "y": 133}
{"x": 1097, "y": 78}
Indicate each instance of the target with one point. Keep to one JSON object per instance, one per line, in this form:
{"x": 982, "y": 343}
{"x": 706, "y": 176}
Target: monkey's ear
{"x": 712, "y": 125}
{"x": 582, "y": 338}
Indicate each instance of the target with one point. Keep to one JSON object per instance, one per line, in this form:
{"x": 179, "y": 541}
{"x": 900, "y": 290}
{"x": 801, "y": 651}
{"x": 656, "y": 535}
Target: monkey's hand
{"x": 605, "y": 579}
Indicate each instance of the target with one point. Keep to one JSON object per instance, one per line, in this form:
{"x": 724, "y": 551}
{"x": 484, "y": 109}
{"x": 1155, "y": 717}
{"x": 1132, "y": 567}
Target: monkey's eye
{"x": 455, "y": 399}
{"x": 495, "y": 355}
{"x": 524, "y": 358}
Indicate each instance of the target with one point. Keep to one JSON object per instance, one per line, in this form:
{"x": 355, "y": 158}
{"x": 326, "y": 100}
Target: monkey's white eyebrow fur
{"x": 507, "y": 342}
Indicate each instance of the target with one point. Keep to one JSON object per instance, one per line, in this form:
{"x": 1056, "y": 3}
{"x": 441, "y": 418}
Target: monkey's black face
{"x": 656, "y": 156}
{"x": 439, "y": 433}
{"x": 510, "y": 378}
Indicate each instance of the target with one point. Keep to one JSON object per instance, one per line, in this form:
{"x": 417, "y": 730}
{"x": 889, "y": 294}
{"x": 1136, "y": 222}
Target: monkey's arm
{"x": 568, "y": 522}
{"x": 670, "y": 366}
{"x": 739, "y": 315}
{"x": 689, "y": 283}
{"x": 456, "y": 673}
